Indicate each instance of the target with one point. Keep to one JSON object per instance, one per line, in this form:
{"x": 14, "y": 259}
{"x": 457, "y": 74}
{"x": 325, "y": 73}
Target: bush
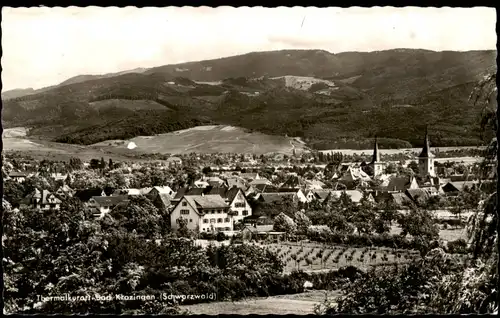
{"x": 457, "y": 247}
{"x": 220, "y": 236}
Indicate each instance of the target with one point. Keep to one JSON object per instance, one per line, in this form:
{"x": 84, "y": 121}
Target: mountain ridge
{"x": 325, "y": 98}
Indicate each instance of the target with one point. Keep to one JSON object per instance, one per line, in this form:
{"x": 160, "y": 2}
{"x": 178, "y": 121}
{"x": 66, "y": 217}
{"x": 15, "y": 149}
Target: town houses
{"x": 223, "y": 199}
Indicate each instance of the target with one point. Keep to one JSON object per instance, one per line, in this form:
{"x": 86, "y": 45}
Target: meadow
{"x": 206, "y": 139}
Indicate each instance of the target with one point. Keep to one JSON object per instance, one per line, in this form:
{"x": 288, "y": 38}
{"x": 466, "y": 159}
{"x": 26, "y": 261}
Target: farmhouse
{"x": 42, "y": 200}
{"x": 204, "y": 213}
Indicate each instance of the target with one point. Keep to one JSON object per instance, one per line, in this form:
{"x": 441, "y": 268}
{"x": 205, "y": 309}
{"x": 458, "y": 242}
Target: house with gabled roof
{"x": 400, "y": 199}
{"x": 454, "y": 188}
{"x": 250, "y": 176}
{"x": 163, "y": 202}
{"x": 265, "y": 188}
{"x": 161, "y": 190}
{"x": 86, "y": 194}
{"x": 354, "y": 174}
{"x": 203, "y": 213}
{"x": 17, "y": 176}
{"x": 101, "y": 205}
{"x": 41, "y": 200}
{"x": 294, "y": 182}
{"x": 236, "y": 199}
{"x": 65, "y": 191}
{"x": 276, "y": 197}
{"x": 238, "y": 182}
{"x": 314, "y": 184}
{"x": 320, "y": 195}
{"x": 401, "y": 184}
{"x": 419, "y": 196}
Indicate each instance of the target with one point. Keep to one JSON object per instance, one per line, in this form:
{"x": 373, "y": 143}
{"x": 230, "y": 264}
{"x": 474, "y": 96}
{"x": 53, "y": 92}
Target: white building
{"x": 203, "y": 213}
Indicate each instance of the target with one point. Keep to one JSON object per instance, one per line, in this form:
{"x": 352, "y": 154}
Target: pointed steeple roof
{"x": 376, "y": 154}
{"x": 426, "y": 150}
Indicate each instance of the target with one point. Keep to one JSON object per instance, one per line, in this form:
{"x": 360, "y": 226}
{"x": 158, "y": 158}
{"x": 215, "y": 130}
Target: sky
{"x": 45, "y": 46}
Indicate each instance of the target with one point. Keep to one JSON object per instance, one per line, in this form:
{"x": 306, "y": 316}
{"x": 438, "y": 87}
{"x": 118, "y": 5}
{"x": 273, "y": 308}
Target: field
{"x": 202, "y": 139}
{"x": 206, "y": 139}
{"x": 450, "y": 234}
{"x": 317, "y": 257}
{"x": 14, "y": 140}
{"x": 299, "y": 304}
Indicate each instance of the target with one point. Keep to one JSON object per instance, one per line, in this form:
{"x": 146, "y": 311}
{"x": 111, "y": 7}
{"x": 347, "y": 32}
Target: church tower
{"x": 378, "y": 166}
{"x": 426, "y": 159}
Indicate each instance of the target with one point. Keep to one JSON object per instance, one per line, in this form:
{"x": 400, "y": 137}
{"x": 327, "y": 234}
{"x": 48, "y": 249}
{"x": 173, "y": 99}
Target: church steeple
{"x": 425, "y": 159}
{"x": 426, "y": 150}
{"x": 378, "y": 166}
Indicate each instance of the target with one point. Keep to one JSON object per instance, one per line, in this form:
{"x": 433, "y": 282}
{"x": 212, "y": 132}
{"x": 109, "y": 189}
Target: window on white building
{"x": 184, "y": 212}
{"x": 226, "y": 220}
{"x": 219, "y": 220}
{"x": 205, "y": 221}
{"x": 212, "y": 220}
{"x": 190, "y": 220}
{"x": 184, "y": 203}
{"x": 245, "y": 212}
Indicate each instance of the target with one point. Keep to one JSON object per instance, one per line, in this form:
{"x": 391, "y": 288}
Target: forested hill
{"x": 330, "y": 100}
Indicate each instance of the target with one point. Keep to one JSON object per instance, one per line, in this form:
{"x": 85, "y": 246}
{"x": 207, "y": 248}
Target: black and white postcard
{"x": 199, "y": 160}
